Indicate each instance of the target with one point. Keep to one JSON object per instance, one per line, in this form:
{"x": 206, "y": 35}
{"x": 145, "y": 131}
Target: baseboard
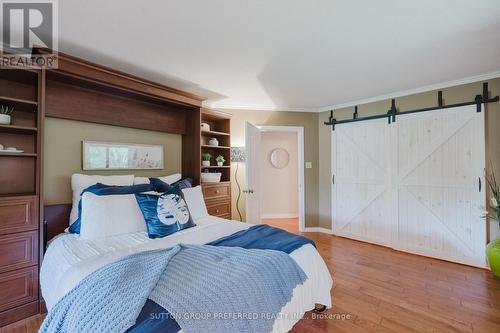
{"x": 279, "y": 216}
{"x": 318, "y": 229}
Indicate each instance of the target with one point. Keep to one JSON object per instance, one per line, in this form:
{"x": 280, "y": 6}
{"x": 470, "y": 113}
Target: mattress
{"x": 69, "y": 259}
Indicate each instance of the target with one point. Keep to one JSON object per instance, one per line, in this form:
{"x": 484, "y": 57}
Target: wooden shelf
{"x": 215, "y": 147}
{"x": 22, "y": 75}
{"x": 18, "y": 129}
{"x": 215, "y": 167}
{"x": 18, "y": 100}
{"x": 3, "y": 153}
{"x": 20, "y": 194}
{"x": 214, "y": 133}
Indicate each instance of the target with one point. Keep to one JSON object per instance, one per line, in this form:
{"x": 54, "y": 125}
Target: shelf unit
{"x": 20, "y": 189}
{"x": 217, "y": 195}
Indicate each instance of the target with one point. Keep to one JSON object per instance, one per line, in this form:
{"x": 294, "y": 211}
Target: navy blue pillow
{"x": 165, "y": 214}
{"x": 162, "y": 187}
{"x": 102, "y": 189}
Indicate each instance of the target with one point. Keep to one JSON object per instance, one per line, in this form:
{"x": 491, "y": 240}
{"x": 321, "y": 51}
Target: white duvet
{"x": 69, "y": 259}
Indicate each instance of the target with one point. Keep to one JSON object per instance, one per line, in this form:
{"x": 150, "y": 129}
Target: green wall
{"x": 451, "y": 95}
{"x": 63, "y": 153}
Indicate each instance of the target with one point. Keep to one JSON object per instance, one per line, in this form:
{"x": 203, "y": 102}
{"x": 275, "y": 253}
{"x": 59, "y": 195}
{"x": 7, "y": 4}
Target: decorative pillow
{"x": 161, "y": 186}
{"x": 170, "y": 179}
{"x": 109, "y": 215}
{"x": 195, "y": 202}
{"x": 102, "y": 189}
{"x": 164, "y": 214}
{"x": 80, "y": 182}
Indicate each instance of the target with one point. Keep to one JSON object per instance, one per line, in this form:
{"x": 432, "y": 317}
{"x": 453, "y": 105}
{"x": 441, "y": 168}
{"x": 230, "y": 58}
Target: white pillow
{"x": 110, "y": 215}
{"x": 195, "y": 202}
{"x": 167, "y": 179}
{"x": 80, "y": 182}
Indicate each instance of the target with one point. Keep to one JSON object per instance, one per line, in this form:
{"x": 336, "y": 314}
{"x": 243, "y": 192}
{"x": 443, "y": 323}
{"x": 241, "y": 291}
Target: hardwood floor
{"x": 28, "y": 325}
{"x": 382, "y": 290}
{"x": 377, "y": 289}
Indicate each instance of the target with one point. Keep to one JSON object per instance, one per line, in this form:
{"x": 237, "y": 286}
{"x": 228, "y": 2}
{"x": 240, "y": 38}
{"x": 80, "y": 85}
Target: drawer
{"x": 217, "y": 190}
{"x": 219, "y": 209}
{"x": 18, "y": 251}
{"x": 18, "y": 214}
{"x": 18, "y": 287}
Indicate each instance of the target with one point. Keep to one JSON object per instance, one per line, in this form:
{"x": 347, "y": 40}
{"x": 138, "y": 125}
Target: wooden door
{"x": 253, "y": 160}
{"x": 439, "y": 167}
{"x": 416, "y": 185}
{"x": 362, "y": 194}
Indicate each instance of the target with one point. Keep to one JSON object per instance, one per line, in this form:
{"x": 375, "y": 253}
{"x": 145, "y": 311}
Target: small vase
{"x": 493, "y": 254}
{"x": 5, "y": 119}
{"x": 213, "y": 142}
{"x": 220, "y": 163}
{"x": 205, "y": 163}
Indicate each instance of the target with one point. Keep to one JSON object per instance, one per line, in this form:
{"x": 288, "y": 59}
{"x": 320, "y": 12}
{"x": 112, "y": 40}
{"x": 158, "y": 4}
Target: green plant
{"x": 495, "y": 198}
{"x": 206, "y": 156}
{"x": 220, "y": 159}
{"x": 6, "y": 109}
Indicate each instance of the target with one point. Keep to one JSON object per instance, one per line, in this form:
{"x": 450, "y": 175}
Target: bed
{"x": 69, "y": 260}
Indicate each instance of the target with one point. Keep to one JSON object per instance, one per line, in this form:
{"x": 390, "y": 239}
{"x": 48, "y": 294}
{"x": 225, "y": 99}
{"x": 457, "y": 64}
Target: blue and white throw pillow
{"x": 161, "y": 186}
{"x": 165, "y": 213}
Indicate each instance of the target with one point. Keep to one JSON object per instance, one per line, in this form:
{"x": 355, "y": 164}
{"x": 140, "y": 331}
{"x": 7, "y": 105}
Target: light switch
{"x": 309, "y": 165}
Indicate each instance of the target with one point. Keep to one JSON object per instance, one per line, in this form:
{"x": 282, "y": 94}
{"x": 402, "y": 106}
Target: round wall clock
{"x": 279, "y": 158}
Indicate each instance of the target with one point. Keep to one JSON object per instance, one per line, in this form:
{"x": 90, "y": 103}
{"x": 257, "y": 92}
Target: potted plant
{"x": 5, "y": 112}
{"x": 220, "y": 160}
{"x": 493, "y": 248}
{"x": 205, "y": 159}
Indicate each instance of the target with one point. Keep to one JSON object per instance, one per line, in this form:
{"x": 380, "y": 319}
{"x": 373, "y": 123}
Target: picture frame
{"x": 121, "y": 156}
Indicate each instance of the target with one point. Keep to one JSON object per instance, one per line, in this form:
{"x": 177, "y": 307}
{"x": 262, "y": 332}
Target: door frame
{"x": 299, "y": 130}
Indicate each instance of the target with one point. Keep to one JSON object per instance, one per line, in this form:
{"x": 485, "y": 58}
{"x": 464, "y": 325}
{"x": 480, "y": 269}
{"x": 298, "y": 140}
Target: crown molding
{"x": 442, "y": 85}
{"x": 222, "y": 106}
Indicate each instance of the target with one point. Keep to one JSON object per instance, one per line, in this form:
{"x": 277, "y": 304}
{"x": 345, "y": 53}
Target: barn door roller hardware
{"x": 393, "y": 112}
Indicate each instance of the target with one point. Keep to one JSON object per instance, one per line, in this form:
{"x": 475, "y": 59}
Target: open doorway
{"x": 279, "y": 158}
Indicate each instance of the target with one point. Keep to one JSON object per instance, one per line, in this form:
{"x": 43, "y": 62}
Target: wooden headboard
{"x": 84, "y": 91}
{"x": 55, "y": 220}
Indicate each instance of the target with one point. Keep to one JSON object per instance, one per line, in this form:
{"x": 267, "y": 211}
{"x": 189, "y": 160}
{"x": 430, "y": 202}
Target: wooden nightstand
{"x": 218, "y": 199}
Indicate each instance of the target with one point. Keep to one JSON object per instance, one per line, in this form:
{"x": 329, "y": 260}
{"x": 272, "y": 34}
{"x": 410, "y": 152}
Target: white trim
{"x": 300, "y": 147}
{"x": 318, "y": 229}
{"x": 395, "y": 94}
{"x": 279, "y": 216}
{"x": 215, "y": 105}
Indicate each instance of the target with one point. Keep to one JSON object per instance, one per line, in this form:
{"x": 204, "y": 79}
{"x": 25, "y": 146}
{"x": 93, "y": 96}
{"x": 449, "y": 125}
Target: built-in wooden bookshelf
{"x": 20, "y": 184}
{"x": 217, "y": 195}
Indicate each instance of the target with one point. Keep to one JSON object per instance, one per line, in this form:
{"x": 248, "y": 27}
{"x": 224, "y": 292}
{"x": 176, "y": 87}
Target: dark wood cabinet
{"x": 218, "y": 199}
{"x": 18, "y": 214}
{"x": 20, "y": 193}
{"x": 18, "y": 287}
{"x": 18, "y": 250}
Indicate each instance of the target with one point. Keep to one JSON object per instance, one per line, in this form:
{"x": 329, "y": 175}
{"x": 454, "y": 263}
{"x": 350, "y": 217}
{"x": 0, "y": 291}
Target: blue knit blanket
{"x": 204, "y": 288}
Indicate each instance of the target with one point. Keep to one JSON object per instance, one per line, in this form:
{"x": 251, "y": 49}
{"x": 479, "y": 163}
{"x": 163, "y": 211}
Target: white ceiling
{"x": 287, "y": 55}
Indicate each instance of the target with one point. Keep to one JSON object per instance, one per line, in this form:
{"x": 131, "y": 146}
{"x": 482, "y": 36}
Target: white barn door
{"x": 440, "y": 165}
{"x": 362, "y": 196}
{"x": 413, "y": 185}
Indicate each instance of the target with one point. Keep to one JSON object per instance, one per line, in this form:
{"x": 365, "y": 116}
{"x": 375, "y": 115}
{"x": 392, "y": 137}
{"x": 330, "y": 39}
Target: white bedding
{"x": 69, "y": 259}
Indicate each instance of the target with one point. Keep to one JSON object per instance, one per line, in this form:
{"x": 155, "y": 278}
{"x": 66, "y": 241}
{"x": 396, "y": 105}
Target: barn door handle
{"x": 480, "y": 184}
{"x": 333, "y": 179}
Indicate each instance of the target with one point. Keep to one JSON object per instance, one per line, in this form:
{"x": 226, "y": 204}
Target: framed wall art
{"x": 121, "y": 156}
